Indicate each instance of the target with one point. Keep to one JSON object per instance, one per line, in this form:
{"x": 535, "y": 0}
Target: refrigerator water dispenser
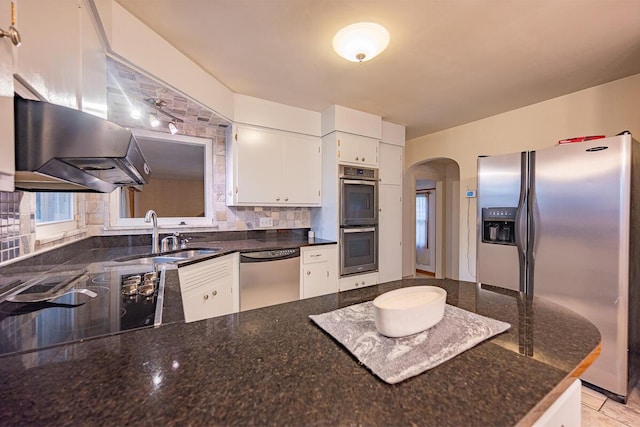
{"x": 498, "y": 225}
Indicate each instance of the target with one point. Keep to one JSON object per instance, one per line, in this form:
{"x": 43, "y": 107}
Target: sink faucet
{"x": 174, "y": 242}
{"x": 151, "y": 216}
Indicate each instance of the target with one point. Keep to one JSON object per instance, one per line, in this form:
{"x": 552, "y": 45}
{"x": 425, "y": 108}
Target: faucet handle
{"x": 183, "y": 243}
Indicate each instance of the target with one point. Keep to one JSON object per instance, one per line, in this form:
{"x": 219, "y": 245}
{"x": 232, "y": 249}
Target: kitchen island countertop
{"x": 274, "y": 366}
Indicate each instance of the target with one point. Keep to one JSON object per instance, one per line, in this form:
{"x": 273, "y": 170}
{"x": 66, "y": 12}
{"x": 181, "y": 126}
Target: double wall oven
{"x": 358, "y": 220}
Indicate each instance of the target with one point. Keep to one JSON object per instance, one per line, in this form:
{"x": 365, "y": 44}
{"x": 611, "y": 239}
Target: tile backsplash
{"x": 9, "y": 225}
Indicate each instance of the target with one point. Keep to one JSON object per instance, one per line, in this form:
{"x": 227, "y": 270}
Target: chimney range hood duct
{"x": 62, "y": 149}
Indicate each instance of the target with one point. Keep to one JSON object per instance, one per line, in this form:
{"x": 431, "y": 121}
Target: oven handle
{"x": 358, "y": 230}
{"x": 357, "y": 181}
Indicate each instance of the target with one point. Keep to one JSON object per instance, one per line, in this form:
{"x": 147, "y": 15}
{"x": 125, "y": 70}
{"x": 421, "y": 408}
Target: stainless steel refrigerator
{"x": 563, "y": 223}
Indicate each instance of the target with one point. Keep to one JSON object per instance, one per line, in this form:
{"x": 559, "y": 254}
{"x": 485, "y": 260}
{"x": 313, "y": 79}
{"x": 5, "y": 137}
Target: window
{"x": 422, "y": 220}
{"x": 180, "y": 190}
{"x": 53, "y": 207}
{"x": 54, "y": 213}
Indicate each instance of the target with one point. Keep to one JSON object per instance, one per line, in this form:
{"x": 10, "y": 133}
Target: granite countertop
{"x": 101, "y": 252}
{"x": 274, "y": 366}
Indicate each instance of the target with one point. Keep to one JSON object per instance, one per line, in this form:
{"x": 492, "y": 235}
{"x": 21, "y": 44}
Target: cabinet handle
{"x": 357, "y": 158}
{"x": 308, "y": 272}
{"x": 206, "y": 297}
{"x": 363, "y": 159}
{"x": 214, "y": 293}
{"x": 277, "y": 199}
{"x": 286, "y": 199}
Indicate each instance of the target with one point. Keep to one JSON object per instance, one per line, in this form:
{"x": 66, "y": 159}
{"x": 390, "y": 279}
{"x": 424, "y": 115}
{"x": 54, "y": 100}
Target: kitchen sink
{"x": 190, "y": 253}
{"x": 168, "y": 257}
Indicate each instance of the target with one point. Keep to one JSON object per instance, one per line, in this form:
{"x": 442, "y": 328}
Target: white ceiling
{"x": 448, "y": 62}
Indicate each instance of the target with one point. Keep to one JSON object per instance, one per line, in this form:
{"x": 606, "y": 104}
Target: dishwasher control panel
{"x": 269, "y": 255}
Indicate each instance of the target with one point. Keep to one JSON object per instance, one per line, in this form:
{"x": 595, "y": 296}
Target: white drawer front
{"x": 358, "y": 281}
{"x": 315, "y": 255}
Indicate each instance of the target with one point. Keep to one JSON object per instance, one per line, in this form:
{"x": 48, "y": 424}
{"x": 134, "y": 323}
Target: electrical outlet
{"x": 266, "y": 222}
{"x": 470, "y": 193}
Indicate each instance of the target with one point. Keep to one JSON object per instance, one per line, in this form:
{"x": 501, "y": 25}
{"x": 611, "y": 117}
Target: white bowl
{"x": 407, "y": 311}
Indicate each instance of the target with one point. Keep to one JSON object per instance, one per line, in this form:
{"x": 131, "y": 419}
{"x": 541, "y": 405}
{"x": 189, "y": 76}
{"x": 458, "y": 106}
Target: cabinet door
{"x": 94, "y": 69}
{"x": 7, "y": 159}
{"x": 259, "y": 166}
{"x": 302, "y": 170}
{"x": 49, "y": 58}
{"x": 391, "y": 165}
{"x": 318, "y": 272}
{"x": 357, "y": 150}
{"x": 315, "y": 277}
{"x": 210, "y": 288}
{"x": 390, "y": 237}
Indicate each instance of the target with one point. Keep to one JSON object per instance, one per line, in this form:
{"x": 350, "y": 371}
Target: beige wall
{"x": 605, "y": 109}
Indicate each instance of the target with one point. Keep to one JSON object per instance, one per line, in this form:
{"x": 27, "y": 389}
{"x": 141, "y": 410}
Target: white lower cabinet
{"x": 566, "y": 410}
{"x": 358, "y": 281}
{"x": 210, "y": 288}
{"x": 318, "y": 270}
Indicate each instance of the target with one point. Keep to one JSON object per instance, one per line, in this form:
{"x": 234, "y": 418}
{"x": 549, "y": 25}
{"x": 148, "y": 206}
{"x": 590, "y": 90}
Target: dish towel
{"x": 396, "y": 359}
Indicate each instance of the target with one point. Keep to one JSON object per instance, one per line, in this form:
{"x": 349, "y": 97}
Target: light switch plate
{"x": 470, "y": 193}
{"x": 266, "y": 222}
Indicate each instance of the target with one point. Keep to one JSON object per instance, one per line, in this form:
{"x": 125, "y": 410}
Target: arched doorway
{"x": 432, "y": 219}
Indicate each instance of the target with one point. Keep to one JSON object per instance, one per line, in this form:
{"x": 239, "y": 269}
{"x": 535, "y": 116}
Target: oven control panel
{"x": 361, "y": 173}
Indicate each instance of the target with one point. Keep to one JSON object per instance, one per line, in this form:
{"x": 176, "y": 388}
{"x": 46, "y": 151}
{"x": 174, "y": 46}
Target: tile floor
{"x": 600, "y": 411}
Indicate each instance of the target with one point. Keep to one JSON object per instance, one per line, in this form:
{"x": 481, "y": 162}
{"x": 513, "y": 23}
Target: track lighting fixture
{"x": 135, "y": 113}
{"x": 172, "y": 128}
{"x": 154, "y": 121}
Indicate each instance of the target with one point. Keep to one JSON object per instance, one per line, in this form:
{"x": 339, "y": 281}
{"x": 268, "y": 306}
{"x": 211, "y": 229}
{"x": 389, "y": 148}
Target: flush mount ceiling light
{"x": 361, "y": 42}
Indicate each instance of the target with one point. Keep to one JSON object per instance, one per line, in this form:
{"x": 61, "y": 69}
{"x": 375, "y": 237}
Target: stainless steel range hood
{"x": 62, "y": 149}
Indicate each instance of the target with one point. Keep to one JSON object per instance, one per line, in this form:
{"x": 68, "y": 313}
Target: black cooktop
{"x": 121, "y": 301}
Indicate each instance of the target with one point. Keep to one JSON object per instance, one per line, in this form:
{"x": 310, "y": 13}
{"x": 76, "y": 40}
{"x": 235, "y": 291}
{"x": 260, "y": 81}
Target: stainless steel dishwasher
{"x": 269, "y": 277}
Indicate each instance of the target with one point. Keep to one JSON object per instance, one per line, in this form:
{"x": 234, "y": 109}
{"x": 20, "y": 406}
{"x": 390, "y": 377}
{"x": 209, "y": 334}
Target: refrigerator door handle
{"x": 521, "y": 223}
{"x": 534, "y": 216}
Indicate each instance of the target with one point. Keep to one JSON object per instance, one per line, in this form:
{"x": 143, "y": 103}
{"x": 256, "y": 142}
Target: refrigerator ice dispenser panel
{"x": 498, "y": 225}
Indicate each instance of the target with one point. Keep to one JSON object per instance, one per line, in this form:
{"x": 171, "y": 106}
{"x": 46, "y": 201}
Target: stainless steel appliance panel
{"x": 358, "y": 196}
{"x": 269, "y": 278}
{"x": 580, "y": 198}
{"x": 358, "y": 250}
{"x": 500, "y": 179}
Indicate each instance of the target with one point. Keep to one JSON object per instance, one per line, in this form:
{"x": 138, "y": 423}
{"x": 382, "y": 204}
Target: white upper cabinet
{"x": 356, "y": 150}
{"x": 7, "y": 165}
{"x": 391, "y": 165}
{"x": 49, "y": 60}
{"x": 272, "y": 168}
{"x": 61, "y": 60}
{"x": 301, "y": 169}
{"x": 343, "y": 119}
{"x": 393, "y": 134}
{"x": 93, "y": 95}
